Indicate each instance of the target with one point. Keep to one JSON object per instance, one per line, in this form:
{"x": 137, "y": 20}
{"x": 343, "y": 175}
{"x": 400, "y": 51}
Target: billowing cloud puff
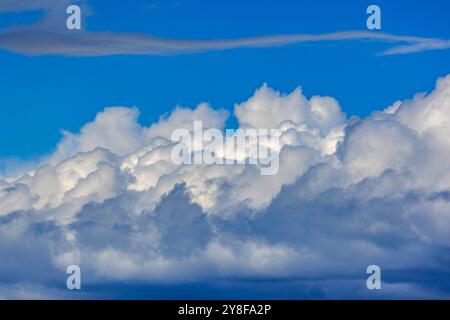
{"x": 349, "y": 193}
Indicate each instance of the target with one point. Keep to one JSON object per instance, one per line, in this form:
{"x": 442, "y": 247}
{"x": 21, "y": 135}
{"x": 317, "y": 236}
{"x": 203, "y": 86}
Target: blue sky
{"x": 47, "y": 93}
{"x": 356, "y": 185}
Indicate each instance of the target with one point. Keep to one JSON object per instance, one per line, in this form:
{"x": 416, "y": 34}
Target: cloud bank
{"x": 34, "y": 42}
{"x": 350, "y": 192}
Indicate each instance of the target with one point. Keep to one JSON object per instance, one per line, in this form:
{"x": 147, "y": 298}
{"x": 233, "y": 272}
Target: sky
{"x": 86, "y": 175}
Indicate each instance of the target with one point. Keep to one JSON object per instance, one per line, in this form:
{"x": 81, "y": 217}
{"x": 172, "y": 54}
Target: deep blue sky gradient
{"x": 39, "y": 96}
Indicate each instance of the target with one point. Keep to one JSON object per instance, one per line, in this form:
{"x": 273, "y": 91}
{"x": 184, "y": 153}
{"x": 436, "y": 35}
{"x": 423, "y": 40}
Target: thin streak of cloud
{"x": 29, "y": 41}
{"x": 42, "y": 39}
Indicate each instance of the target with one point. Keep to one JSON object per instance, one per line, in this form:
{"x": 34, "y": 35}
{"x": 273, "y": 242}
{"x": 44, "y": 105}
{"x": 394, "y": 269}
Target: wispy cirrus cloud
{"x": 46, "y": 37}
{"x": 35, "y": 42}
